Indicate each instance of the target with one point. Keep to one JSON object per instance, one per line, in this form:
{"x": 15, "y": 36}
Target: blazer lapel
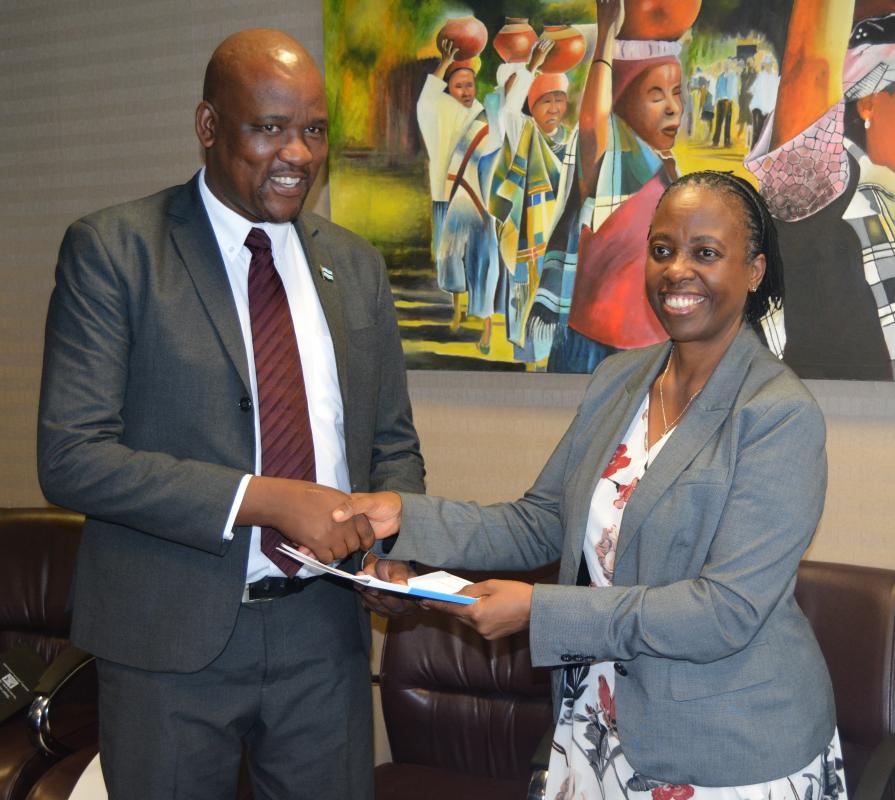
{"x": 604, "y": 433}
{"x": 708, "y": 412}
{"x": 326, "y": 277}
{"x": 196, "y": 244}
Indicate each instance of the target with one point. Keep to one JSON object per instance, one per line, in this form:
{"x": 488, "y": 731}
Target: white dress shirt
{"x": 314, "y": 345}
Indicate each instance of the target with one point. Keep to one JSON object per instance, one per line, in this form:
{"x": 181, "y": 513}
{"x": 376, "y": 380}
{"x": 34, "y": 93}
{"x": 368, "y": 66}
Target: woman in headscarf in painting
{"x": 825, "y": 162}
{"x": 460, "y": 139}
{"x": 530, "y": 182}
{"x": 590, "y": 301}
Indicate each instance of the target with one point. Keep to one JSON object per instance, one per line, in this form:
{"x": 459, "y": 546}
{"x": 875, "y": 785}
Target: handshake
{"x": 324, "y": 522}
{"x": 330, "y": 525}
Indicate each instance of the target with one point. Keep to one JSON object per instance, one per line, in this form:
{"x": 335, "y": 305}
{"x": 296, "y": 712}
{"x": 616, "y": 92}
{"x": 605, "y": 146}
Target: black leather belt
{"x": 274, "y": 588}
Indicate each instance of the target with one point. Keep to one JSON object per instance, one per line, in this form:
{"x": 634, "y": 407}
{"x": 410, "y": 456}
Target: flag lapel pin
{"x": 326, "y": 273}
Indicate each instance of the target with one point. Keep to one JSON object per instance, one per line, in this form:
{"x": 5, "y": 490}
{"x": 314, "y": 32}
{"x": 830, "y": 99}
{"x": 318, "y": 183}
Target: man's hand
{"x": 386, "y": 603}
{"x": 303, "y": 513}
{"x": 504, "y": 607}
{"x": 381, "y": 509}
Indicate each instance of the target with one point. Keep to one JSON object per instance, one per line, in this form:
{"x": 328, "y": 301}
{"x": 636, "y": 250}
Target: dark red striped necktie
{"x": 287, "y": 447}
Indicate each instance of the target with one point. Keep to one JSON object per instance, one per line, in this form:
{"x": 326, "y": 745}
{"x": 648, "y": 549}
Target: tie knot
{"x": 258, "y": 241}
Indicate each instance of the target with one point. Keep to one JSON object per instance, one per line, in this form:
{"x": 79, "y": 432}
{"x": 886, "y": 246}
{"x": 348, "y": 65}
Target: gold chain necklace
{"x": 668, "y": 427}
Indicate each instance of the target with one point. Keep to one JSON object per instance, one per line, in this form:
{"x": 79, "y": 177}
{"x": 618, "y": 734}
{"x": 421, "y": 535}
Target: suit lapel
{"x": 326, "y": 279}
{"x": 708, "y": 412}
{"x": 196, "y": 244}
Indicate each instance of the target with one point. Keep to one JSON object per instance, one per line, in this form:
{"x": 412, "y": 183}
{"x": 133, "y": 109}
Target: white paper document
{"x": 439, "y": 585}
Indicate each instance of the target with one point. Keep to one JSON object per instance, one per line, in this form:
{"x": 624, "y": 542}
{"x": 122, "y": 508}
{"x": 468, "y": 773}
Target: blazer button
{"x": 245, "y": 404}
{"x": 620, "y": 669}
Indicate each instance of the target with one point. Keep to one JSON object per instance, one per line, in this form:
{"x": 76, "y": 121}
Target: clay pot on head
{"x": 658, "y": 19}
{"x": 568, "y": 48}
{"x": 467, "y": 33}
{"x": 514, "y": 40}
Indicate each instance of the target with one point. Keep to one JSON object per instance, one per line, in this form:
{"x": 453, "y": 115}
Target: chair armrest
{"x": 537, "y": 785}
{"x": 61, "y": 675}
{"x": 879, "y": 771}
{"x": 62, "y": 669}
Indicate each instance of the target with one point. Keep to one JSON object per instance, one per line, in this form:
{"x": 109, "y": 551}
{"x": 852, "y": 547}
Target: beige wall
{"x": 486, "y": 436}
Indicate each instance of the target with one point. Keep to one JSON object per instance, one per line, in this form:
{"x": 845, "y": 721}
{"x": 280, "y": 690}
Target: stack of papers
{"x": 439, "y": 585}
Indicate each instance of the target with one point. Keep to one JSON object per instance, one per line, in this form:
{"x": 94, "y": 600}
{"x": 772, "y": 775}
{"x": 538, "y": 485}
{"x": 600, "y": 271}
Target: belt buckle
{"x": 247, "y": 599}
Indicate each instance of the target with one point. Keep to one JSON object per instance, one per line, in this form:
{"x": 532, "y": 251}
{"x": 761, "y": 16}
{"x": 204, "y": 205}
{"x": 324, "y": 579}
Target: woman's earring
{"x": 867, "y": 124}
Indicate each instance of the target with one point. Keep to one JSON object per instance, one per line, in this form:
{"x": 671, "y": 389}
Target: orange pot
{"x": 467, "y": 33}
{"x": 568, "y": 48}
{"x": 658, "y": 19}
{"x": 514, "y": 40}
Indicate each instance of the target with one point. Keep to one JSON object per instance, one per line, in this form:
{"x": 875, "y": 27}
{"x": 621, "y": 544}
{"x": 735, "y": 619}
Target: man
{"x": 764, "y": 96}
{"x": 179, "y": 416}
{"x": 725, "y": 92}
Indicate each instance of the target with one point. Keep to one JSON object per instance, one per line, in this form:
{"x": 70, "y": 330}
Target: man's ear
{"x": 206, "y": 123}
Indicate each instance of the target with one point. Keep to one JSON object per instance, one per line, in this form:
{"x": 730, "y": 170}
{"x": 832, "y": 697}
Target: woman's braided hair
{"x": 762, "y": 235}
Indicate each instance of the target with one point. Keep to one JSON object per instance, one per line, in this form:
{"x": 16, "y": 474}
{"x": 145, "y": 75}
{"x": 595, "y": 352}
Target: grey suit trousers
{"x": 293, "y": 683}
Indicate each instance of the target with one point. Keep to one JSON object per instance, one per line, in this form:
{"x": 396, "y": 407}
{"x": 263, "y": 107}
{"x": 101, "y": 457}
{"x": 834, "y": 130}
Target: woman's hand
{"x": 386, "y": 603}
{"x": 611, "y": 15}
{"x": 503, "y": 607}
{"x": 539, "y": 54}
{"x": 382, "y": 510}
{"x": 448, "y": 52}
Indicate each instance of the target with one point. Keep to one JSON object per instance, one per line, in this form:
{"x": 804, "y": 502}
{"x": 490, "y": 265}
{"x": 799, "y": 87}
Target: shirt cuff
{"x": 234, "y": 509}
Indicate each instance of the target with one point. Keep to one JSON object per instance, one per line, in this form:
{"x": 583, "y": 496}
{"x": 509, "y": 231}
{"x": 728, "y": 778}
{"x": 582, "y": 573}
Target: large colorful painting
{"x": 506, "y": 158}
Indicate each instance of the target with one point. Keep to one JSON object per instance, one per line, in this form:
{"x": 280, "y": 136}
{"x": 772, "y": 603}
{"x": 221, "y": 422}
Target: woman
{"x": 681, "y": 658}
{"x": 590, "y": 299}
{"x": 826, "y": 163}
{"x": 528, "y": 190}
{"x": 459, "y": 140}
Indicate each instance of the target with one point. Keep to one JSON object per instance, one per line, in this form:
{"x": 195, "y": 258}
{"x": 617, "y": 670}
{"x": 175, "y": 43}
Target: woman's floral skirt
{"x": 587, "y": 762}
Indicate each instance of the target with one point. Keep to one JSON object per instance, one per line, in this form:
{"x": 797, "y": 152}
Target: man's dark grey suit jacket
{"x": 145, "y": 424}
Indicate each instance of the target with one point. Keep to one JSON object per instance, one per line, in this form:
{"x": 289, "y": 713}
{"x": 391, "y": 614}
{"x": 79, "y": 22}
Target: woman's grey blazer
{"x": 720, "y": 679}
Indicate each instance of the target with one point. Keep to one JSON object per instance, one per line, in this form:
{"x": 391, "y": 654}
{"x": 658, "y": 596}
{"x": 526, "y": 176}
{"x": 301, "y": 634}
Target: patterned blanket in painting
{"x": 525, "y": 198}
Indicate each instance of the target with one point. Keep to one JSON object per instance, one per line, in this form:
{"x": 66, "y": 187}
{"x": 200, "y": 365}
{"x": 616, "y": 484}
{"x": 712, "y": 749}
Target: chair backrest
{"x": 852, "y": 611}
{"x": 456, "y": 701}
{"x": 38, "y": 547}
